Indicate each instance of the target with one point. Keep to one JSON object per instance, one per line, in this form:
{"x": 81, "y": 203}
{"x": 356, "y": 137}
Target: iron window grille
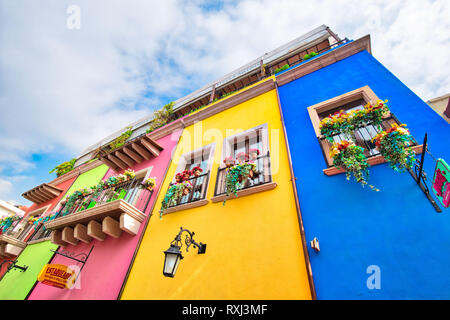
{"x": 362, "y": 136}
{"x": 262, "y": 175}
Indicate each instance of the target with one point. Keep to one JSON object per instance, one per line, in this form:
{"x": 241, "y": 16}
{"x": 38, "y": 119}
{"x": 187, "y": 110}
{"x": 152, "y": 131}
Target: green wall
{"x": 16, "y": 285}
{"x": 89, "y": 178}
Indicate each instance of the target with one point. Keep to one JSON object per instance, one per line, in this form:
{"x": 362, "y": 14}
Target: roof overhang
{"x": 133, "y": 152}
{"x": 42, "y": 193}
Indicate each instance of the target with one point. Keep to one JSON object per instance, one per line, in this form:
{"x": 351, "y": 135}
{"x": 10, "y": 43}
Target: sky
{"x": 64, "y": 86}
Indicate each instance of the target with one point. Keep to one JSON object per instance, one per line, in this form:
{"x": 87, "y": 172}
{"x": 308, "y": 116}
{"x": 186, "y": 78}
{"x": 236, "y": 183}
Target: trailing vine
{"x": 173, "y": 194}
{"x": 393, "y": 145}
{"x": 350, "y": 157}
{"x": 347, "y": 122}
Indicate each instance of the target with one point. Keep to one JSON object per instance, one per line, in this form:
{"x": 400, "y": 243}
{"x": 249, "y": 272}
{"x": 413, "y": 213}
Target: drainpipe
{"x": 297, "y": 204}
{"x": 148, "y": 219}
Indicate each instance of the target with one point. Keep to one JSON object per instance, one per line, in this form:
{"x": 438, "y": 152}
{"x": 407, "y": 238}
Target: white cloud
{"x": 62, "y": 90}
{"x": 5, "y": 187}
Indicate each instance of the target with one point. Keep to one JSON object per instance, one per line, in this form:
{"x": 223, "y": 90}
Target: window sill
{"x": 186, "y": 206}
{"x": 372, "y": 161}
{"x": 245, "y": 192}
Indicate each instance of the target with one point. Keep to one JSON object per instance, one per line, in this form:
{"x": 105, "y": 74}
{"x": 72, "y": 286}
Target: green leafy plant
{"x": 64, "y": 167}
{"x": 161, "y": 117}
{"x": 347, "y": 122}
{"x": 236, "y": 176}
{"x": 393, "y": 145}
{"x": 173, "y": 194}
{"x": 350, "y": 157}
{"x": 309, "y": 55}
{"x": 286, "y": 66}
{"x": 120, "y": 140}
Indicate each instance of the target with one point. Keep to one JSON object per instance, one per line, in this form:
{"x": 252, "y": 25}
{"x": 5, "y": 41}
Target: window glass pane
{"x": 355, "y": 105}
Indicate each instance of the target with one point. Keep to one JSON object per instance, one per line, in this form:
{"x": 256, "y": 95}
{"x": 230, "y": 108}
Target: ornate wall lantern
{"x": 173, "y": 255}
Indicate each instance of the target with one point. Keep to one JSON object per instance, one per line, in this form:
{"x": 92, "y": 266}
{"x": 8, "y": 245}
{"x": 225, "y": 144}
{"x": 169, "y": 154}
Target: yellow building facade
{"x": 254, "y": 246}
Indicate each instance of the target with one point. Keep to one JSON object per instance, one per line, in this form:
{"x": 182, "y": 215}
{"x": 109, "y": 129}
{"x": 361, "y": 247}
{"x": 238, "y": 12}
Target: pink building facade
{"x": 104, "y": 272}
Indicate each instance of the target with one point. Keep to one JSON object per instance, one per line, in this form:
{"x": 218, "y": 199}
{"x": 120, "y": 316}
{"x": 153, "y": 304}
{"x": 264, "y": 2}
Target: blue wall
{"x": 397, "y": 228}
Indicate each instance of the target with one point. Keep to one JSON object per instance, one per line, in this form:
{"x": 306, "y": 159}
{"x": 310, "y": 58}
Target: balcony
{"x": 42, "y": 193}
{"x": 135, "y": 151}
{"x": 363, "y": 138}
{"x": 107, "y": 212}
{"x": 261, "y": 180}
{"x": 195, "y": 197}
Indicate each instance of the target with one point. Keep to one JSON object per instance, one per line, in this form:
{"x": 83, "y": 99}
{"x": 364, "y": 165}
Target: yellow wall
{"x": 254, "y": 247}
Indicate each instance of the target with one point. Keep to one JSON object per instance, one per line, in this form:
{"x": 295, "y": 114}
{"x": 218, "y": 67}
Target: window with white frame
{"x": 194, "y": 171}
{"x": 251, "y": 146}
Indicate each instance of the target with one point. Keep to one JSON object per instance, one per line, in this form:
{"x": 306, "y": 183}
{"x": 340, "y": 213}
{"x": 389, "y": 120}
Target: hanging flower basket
{"x": 393, "y": 145}
{"x": 173, "y": 195}
{"x": 342, "y": 122}
{"x": 236, "y": 176}
{"x": 349, "y": 157}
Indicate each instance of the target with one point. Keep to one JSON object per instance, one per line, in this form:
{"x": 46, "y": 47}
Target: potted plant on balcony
{"x": 335, "y": 124}
{"x": 187, "y": 187}
{"x": 394, "y": 146}
{"x": 235, "y": 176}
{"x": 242, "y": 157}
{"x": 121, "y": 178}
{"x": 347, "y": 123}
{"x": 186, "y": 174}
{"x": 229, "y": 161}
{"x": 178, "y": 178}
{"x": 350, "y": 157}
{"x": 129, "y": 174}
{"x": 149, "y": 183}
{"x": 197, "y": 171}
{"x": 173, "y": 194}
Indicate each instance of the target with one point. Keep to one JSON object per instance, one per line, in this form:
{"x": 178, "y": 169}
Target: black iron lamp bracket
{"x": 189, "y": 240}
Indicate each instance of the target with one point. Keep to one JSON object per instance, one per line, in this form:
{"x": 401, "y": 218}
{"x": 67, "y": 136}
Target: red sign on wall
{"x": 441, "y": 182}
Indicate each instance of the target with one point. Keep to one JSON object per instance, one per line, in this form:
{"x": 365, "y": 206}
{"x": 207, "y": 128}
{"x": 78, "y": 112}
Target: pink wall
{"x": 64, "y": 186}
{"x": 106, "y": 268}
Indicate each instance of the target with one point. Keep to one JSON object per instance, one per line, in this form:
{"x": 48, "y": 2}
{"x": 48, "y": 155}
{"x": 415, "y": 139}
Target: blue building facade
{"x": 395, "y": 231}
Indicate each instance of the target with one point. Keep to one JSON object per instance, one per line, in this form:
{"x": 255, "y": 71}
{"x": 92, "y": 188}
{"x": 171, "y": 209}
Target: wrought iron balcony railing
{"x": 131, "y": 191}
{"x": 109, "y": 211}
{"x": 39, "y": 231}
{"x": 261, "y": 176}
{"x": 363, "y": 138}
{"x": 196, "y": 193}
{"x": 10, "y": 230}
